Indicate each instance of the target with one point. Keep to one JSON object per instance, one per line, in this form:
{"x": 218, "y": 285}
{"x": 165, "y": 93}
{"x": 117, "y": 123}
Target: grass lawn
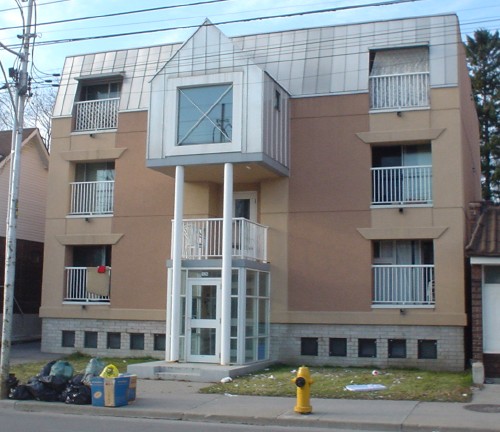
{"x": 329, "y": 382}
{"x": 401, "y": 384}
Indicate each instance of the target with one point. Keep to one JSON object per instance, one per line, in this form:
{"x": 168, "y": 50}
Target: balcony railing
{"x": 402, "y": 185}
{"x": 92, "y": 198}
{"x": 202, "y": 239}
{"x": 403, "y": 285}
{"x": 399, "y": 91}
{"x": 96, "y": 114}
{"x": 76, "y": 287}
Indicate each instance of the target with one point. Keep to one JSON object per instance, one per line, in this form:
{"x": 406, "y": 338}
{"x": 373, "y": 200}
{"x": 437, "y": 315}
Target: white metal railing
{"x": 402, "y": 185}
{"x": 403, "y": 285}
{"x": 202, "y": 239}
{"x": 396, "y": 91}
{"x": 92, "y": 198}
{"x": 96, "y": 114}
{"x": 76, "y": 287}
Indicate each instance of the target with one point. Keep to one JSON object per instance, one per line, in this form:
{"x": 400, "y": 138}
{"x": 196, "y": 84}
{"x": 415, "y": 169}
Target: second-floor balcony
{"x": 202, "y": 239}
{"x": 403, "y": 285}
{"x": 94, "y": 115}
{"x": 78, "y": 288}
{"x": 399, "y": 91}
{"x": 402, "y": 185}
{"x": 92, "y": 198}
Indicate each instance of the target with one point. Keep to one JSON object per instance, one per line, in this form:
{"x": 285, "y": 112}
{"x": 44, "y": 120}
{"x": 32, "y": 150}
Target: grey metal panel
{"x": 298, "y": 62}
{"x": 311, "y": 62}
{"x": 339, "y": 60}
{"x": 304, "y": 62}
{"x": 325, "y": 54}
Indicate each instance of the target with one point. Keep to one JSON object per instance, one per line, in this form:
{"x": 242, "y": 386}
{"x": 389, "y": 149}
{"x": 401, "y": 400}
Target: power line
{"x": 236, "y": 21}
{"x": 120, "y": 13}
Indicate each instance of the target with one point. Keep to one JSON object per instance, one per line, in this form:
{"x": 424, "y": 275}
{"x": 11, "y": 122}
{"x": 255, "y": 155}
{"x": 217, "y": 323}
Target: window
{"x": 68, "y": 339}
{"x": 338, "y": 347}
{"x": 403, "y": 272}
{"x": 159, "y": 342}
{"x": 427, "y": 349}
{"x": 90, "y": 339}
{"x": 399, "y": 78}
{"x": 92, "y": 192}
{"x": 82, "y": 286}
{"x": 309, "y": 346}
{"x": 114, "y": 340}
{"x": 100, "y": 91}
{"x": 397, "y": 348}
{"x": 97, "y": 106}
{"x": 91, "y": 256}
{"x": 136, "y": 341}
{"x": 367, "y": 348}
{"x": 205, "y": 114}
{"x": 402, "y": 175}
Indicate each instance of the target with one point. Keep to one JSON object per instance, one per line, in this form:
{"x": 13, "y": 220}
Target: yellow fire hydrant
{"x": 303, "y": 382}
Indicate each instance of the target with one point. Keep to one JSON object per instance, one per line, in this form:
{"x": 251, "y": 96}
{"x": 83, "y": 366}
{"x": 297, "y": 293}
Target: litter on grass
{"x": 365, "y": 387}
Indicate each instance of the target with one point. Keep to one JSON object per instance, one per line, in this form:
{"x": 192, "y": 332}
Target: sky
{"x": 52, "y": 43}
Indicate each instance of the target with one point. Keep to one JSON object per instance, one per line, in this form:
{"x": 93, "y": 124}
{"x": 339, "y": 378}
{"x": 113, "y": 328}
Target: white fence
{"x": 76, "y": 287}
{"x": 399, "y": 91}
{"x": 97, "y": 114}
{"x": 402, "y": 185}
{"x": 92, "y": 198}
{"x": 203, "y": 239}
{"x": 403, "y": 285}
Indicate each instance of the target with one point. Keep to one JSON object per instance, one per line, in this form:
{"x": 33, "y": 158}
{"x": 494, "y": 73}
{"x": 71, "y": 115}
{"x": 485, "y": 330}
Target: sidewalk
{"x": 180, "y": 401}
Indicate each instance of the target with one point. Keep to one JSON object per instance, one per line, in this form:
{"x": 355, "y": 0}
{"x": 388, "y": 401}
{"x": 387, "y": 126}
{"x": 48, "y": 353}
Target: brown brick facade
{"x": 477, "y": 312}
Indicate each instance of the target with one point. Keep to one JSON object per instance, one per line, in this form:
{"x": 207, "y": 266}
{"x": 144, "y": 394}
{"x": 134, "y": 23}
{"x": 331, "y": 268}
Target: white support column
{"x": 227, "y": 225}
{"x": 176, "y": 265}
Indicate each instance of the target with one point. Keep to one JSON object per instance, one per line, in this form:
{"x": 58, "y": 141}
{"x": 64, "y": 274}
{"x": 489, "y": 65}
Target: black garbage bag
{"x": 57, "y": 383}
{"x": 45, "y": 371}
{"x": 77, "y": 394}
{"x": 12, "y": 382}
{"x": 20, "y": 392}
{"x": 42, "y": 392}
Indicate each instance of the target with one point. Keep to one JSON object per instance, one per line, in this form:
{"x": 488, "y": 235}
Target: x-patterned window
{"x": 205, "y": 114}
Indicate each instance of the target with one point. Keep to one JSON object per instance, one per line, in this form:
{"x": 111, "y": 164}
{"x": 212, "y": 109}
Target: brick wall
{"x": 286, "y": 345}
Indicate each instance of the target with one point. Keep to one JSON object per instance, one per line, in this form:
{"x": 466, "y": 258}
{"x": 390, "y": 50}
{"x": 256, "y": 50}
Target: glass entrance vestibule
{"x": 200, "y": 315}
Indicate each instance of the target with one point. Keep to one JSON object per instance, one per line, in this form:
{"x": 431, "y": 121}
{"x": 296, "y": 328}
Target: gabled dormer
{"x": 211, "y": 104}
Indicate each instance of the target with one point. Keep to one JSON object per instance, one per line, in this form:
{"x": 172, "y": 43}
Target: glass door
{"x": 203, "y": 321}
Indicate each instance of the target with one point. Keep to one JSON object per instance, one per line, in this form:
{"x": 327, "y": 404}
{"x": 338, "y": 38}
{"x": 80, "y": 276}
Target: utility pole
{"x": 22, "y": 84}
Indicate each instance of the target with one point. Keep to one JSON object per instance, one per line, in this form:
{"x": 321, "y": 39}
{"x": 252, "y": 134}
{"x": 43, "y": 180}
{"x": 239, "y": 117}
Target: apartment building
{"x": 297, "y": 196}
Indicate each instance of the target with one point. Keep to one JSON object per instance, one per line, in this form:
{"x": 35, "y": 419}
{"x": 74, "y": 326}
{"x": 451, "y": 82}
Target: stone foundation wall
{"x": 286, "y": 345}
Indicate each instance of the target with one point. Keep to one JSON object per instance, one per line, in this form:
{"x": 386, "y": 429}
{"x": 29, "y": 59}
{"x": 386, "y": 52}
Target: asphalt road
{"x": 14, "y": 421}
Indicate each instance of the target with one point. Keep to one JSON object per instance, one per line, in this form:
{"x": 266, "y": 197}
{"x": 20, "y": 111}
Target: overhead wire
{"x": 200, "y": 3}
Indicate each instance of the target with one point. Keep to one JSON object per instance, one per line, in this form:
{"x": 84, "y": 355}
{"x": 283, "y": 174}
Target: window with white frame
{"x": 97, "y": 106}
{"x": 403, "y": 272}
{"x": 92, "y": 192}
{"x": 205, "y": 114}
{"x": 399, "y": 78}
{"x": 402, "y": 175}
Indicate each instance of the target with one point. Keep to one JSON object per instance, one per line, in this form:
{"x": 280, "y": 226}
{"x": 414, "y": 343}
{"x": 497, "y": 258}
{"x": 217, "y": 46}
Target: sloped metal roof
{"x": 305, "y": 62}
{"x": 485, "y": 239}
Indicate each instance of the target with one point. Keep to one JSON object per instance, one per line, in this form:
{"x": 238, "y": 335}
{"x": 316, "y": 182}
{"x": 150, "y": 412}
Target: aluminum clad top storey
{"x": 305, "y": 62}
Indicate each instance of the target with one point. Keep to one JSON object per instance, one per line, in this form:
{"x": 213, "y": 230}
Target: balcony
{"x": 409, "y": 185}
{"x": 96, "y": 115}
{"x": 78, "y": 289}
{"x": 202, "y": 239}
{"x": 403, "y": 285}
{"x": 399, "y": 91}
{"x": 92, "y": 198}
